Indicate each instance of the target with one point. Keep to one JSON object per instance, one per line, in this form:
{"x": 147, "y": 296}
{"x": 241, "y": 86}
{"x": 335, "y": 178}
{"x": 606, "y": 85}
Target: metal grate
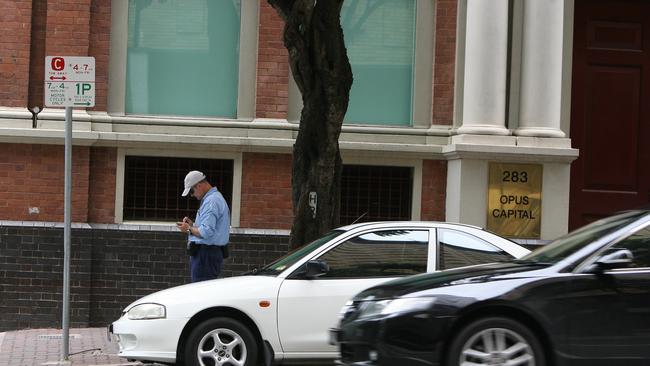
{"x": 375, "y": 193}
{"x": 153, "y": 186}
{"x": 57, "y": 336}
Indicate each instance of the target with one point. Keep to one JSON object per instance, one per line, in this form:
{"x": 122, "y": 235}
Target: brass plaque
{"x": 515, "y": 200}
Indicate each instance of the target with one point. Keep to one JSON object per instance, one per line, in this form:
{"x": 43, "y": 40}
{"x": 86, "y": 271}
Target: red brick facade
{"x": 15, "y": 28}
{"x": 445, "y": 62}
{"x": 32, "y": 30}
{"x": 434, "y": 184}
{"x": 266, "y": 191}
{"x": 37, "y": 54}
{"x": 68, "y": 27}
{"x": 101, "y": 189}
{"x": 272, "y": 66}
{"x": 31, "y": 175}
{"x": 100, "y": 25}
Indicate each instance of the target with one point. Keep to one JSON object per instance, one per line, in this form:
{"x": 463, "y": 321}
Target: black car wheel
{"x": 221, "y": 342}
{"x": 496, "y": 341}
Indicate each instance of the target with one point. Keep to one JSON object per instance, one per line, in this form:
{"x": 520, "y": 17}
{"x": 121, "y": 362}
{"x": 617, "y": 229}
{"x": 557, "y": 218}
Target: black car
{"x": 583, "y": 299}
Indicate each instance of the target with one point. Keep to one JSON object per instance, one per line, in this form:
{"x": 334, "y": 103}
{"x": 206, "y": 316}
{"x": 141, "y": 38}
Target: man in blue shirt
{"x": 210, "y": 233}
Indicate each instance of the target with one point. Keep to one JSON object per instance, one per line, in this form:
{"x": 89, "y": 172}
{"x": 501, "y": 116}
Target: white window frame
{"x": 247, "y": 59}
{"x": 236, "y": 157}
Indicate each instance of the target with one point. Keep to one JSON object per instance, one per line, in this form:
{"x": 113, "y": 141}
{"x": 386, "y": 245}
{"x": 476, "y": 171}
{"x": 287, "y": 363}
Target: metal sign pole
{"x": 66, "y": 232}
{"x": 69, "y": 82}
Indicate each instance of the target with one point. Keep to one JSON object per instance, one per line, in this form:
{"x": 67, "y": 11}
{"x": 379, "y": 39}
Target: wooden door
{"x": 610, "y": 112}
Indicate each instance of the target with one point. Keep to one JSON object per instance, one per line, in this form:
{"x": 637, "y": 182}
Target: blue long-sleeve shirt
{"x": 212, "y": 220}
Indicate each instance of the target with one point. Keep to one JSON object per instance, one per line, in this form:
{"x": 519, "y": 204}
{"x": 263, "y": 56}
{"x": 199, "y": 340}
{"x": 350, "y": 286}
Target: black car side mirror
{"x": 620, "y": 258}
{"x": 315, "y": 269}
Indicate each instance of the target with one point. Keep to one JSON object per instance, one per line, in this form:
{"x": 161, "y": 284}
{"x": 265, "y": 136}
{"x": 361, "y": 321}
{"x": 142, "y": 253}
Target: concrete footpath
{"x": 42, "y": 347}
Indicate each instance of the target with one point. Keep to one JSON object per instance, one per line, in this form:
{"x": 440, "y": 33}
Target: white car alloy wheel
{"x": 221, "y": 347}
{"x": 496, "y": 341}
{"x": 221, "y": 342}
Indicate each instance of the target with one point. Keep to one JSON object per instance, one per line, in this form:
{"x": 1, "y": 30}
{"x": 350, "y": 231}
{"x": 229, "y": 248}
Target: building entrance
{"x": 610, "y": 111}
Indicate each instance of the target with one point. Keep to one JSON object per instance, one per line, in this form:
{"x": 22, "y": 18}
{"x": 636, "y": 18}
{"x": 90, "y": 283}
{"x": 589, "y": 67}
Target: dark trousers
{"x": 206, "y": 264}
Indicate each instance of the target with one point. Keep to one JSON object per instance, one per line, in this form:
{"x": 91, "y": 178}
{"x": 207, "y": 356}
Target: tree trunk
{"x": 321, "y": 69}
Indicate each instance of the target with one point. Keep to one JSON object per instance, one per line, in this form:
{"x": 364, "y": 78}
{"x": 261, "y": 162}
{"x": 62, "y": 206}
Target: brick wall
{"x": 434, "y": 185}
{"x": 99, "y": 47}
{"x": 15, "y": 29}
{"x": 266, "y": 191}
{"x": 110, "y": 268}
{"x": 31, "y": 277}
{"x": 34, "y": 29}
{"x": 37, "y": 54}
{"x": 128, "y": 265}
{"x": 272, "y": 66}
{"x": 101, "y": 186}
{"x": 68, "y": 27}
{"x": 445, "y": 62}
{"x": 32, "y": 176}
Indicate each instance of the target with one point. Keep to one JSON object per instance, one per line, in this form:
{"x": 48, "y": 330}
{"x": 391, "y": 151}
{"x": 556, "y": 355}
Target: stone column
{"x": 486, "y": 56}
{"x": 541, "y": 69}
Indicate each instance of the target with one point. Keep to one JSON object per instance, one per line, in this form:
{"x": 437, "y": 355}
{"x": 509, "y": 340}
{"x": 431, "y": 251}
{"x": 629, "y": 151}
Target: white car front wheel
{"x": 221, "y": 342}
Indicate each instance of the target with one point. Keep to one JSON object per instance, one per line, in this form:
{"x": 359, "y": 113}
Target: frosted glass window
{"x": 380, "y": 39}
{"x": 183, "y": 57}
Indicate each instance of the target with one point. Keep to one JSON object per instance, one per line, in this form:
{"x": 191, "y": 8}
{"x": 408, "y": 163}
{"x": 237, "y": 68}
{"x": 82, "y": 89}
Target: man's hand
{"x": 183, "y": 226}
{"x": 186, "y": 225}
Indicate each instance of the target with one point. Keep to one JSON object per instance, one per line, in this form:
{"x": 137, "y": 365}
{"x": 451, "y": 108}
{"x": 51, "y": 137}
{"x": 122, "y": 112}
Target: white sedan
{"x": 283, "y": 311}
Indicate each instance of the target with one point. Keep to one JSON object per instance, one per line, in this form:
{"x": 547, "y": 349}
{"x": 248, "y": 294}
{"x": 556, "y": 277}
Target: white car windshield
{"x": 286, "y": 261}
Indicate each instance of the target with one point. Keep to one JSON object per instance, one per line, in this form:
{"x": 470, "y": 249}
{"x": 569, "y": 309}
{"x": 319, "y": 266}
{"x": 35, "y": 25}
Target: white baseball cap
{"x": 191, "y": 179}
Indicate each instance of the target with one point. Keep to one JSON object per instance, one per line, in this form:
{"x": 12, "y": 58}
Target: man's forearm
{"x": 195, "y": 231}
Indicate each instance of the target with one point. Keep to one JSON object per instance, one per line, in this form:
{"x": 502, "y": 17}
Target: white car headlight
{"x": 147, "y": 311}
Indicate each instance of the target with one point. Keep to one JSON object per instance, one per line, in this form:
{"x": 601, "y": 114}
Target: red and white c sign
{"x": 58, "y": 63}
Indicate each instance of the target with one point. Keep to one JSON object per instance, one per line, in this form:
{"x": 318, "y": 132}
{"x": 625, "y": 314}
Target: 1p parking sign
{"x": 69, "y": 81}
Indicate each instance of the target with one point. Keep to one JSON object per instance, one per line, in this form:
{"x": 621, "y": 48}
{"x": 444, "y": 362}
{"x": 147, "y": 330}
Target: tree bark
{"x": 321, "y": 68}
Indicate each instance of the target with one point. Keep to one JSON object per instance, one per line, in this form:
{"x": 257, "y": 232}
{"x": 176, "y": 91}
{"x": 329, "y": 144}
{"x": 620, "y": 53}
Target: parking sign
{"x": 69, "y": 81}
